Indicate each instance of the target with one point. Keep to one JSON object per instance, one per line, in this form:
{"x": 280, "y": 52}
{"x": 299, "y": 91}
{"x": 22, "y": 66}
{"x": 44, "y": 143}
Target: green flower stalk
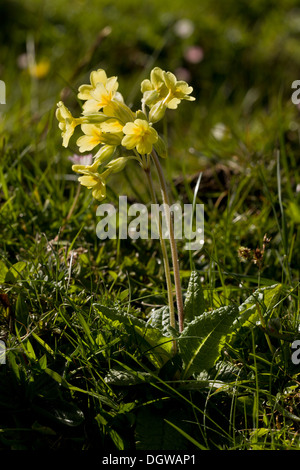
{"x": 117, "y": 134}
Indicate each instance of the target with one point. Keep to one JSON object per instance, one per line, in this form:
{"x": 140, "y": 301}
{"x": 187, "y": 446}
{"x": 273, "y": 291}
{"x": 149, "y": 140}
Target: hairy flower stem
{"x": 166, "y": 201}
{"x": 164, "y": 254}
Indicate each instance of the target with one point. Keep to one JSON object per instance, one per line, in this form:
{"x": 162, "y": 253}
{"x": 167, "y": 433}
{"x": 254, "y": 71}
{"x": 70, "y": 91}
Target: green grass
{"x": 77, "y": 377}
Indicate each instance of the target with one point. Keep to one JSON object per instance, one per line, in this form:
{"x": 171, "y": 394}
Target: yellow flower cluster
{"x": 106, "y": 121}
{"x": 163, "y": 91}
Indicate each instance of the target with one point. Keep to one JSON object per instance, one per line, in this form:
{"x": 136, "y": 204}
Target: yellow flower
{"x": 97, "y": 183}
{"x": 111, "y": 134}
{"x": 155, "y": 89}
{"x": 101, "y": 97}
{"x": 40, "y": 70}
{"x": 92, "y": 179}
{"x": 92, "y": 137}
{"x": 178, "y": 90}
{"x": 139, "y": 134}
{"x": 102, "y": 94}
{"x": 162, "y": 91}
{"x": 97, "y": 76}
{"x": 67, "y": 122}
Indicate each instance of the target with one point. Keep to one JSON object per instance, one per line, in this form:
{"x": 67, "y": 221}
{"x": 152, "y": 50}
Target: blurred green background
{"x": 239, "y": 56}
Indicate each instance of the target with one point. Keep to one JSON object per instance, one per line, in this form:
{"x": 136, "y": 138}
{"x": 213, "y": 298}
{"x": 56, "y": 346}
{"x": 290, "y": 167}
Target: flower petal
{"x": 156, "y": 77}
{"x": 170, "y": 80}
{"x": 173, "y": 103}
{"x": 129, "y": 141}
{"x": 88, "y": 181}
{"x": 84, "y": 92}
{"x": 91, "y": 106}
{"x": 99, "y": 192}
{"x": 139, "y": 134}
{"x": 98, "y": 76}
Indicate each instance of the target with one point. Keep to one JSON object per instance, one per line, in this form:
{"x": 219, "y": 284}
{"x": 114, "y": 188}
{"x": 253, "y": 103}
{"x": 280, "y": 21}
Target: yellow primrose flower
{"x": 155, "y": 89}
{"x": 102, "y": 96}
{"x": 95, "y": 135}
{"x": 178, "y": 90}
{"x": 67, "y": 122}
{"x": 163, "y": 87}
{"x": 97, "y": 76}
{"x": 139, "y": 134}
{"x": 93, "y": 180}
{"x": 92, "y": 137}
{"x": 96, "y": 182}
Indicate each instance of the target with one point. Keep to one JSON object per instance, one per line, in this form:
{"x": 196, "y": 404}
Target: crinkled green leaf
{"x": 113, "y": 314}
{"x": 160, "y": 319}
{"x": 201, "y": 341}
{"x": 157, "y": 347}
{"x": 153, "y": 343}
{"x": 194, "y": 301}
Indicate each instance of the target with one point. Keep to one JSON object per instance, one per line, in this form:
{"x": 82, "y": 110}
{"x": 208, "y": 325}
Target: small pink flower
{"x": 194, "y": 54}
{"x": 183, "y": 74}
{"x": 82, "y": 159}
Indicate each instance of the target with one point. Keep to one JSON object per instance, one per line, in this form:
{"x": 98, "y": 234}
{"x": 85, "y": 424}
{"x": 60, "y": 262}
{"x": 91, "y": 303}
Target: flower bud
{"x": 86, "y": 169}
{"x": 120, "y": 111}
{"x": 118, "y": 164}
{"x": 157, "y": 112}
{"x": 160, "y": 147}
{"x": 105, "y": 153}
{"x": 95, "y": 118}
{"x": 140, "y": 115}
